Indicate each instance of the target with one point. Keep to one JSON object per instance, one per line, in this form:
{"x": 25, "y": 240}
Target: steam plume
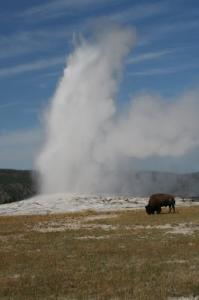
{"x": 86, "y": 141}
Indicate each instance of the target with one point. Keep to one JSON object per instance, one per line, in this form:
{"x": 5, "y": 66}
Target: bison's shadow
{"x": 166, "y": 213}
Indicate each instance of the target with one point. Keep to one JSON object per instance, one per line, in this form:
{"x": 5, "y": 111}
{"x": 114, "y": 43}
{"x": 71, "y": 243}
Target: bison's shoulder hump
{"x": 161, "y": 196}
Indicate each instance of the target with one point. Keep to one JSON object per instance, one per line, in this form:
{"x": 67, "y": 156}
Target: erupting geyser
{"x": 86, "y": 140}
{"x": 80, "y": 114}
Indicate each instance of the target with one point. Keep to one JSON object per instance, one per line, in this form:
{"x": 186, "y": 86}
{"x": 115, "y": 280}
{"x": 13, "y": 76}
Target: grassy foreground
{"x": 120, "y": 255}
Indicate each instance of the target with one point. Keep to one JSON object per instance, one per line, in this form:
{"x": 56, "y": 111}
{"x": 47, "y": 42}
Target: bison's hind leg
{"x": 159, "y": 210}
{"x": 171, "y": 207}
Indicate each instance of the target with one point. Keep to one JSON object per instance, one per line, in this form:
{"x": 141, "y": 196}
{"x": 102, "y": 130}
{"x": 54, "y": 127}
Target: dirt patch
{"x": 100, "y": 217}
{"x": 181, "y": 228}
{"x": 74, "y": 224}
{"x": 63, "y": 227}
{"x": 184, "y": 228}
{"x": 93, "y": 237}
{"x": 184, "y": 298}
{"x": 8, "y": 237}
{"x": 89, "y": 222}
{"x": 176, "y": 261}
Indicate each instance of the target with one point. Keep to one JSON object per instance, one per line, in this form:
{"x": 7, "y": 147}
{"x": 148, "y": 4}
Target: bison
{"x": 156, "y": 201}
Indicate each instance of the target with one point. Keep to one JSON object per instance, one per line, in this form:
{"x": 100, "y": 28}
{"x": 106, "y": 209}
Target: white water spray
{"x": 86, "y": 143}
{"x": 80, "y": 113}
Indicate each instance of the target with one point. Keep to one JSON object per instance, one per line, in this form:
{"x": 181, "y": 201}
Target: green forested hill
{"x": 15, "y": 185}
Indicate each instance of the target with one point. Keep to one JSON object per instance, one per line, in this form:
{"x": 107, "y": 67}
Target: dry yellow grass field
{"x": 89, "y": 255}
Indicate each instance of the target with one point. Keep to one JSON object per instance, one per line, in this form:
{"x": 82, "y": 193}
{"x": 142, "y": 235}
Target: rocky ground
{"x": 60, "y": 203}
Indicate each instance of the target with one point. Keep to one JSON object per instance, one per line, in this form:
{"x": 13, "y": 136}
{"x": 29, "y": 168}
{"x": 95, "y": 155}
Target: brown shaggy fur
{"x": 156, "y": 201}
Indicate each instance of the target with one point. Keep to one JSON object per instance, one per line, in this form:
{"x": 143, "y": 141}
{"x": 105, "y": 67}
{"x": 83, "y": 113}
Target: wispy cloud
{"x": 19, "y": 148}
{"x": 47, "y": 39}
{"x": 156, "y": 32}
{"x": 51, "y": 74}
{"x": 58, "y": 8}
{"x": 138, "y": 12}
{"x": 55, "y": 9}
{"x": 8, "y": 105}
{"x": 33, "y": 66}
{"x": 163, "y": 71}
{"x": 19, "y": 137}
{"x": 149, "y": 56}
{"x": 42, "y": 39}
{"x": 23, "y": 107}
{"x": 32, "y": 41}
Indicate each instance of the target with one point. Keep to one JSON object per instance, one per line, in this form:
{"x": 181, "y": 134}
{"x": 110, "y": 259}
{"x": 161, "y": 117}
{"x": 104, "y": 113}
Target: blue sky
{"x": 36, "y": 36}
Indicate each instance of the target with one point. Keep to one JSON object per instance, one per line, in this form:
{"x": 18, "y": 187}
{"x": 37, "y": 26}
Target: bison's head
{"x": 148, "y": 209}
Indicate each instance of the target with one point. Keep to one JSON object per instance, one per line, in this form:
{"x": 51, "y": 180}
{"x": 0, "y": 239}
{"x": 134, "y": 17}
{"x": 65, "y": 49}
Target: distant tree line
{"x": 16, "y": 185}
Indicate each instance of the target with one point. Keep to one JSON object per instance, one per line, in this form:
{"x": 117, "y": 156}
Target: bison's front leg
{"x": 172, "y": 206}
{"x": 159, "y": 210}
{"x": 148, "y": 209}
